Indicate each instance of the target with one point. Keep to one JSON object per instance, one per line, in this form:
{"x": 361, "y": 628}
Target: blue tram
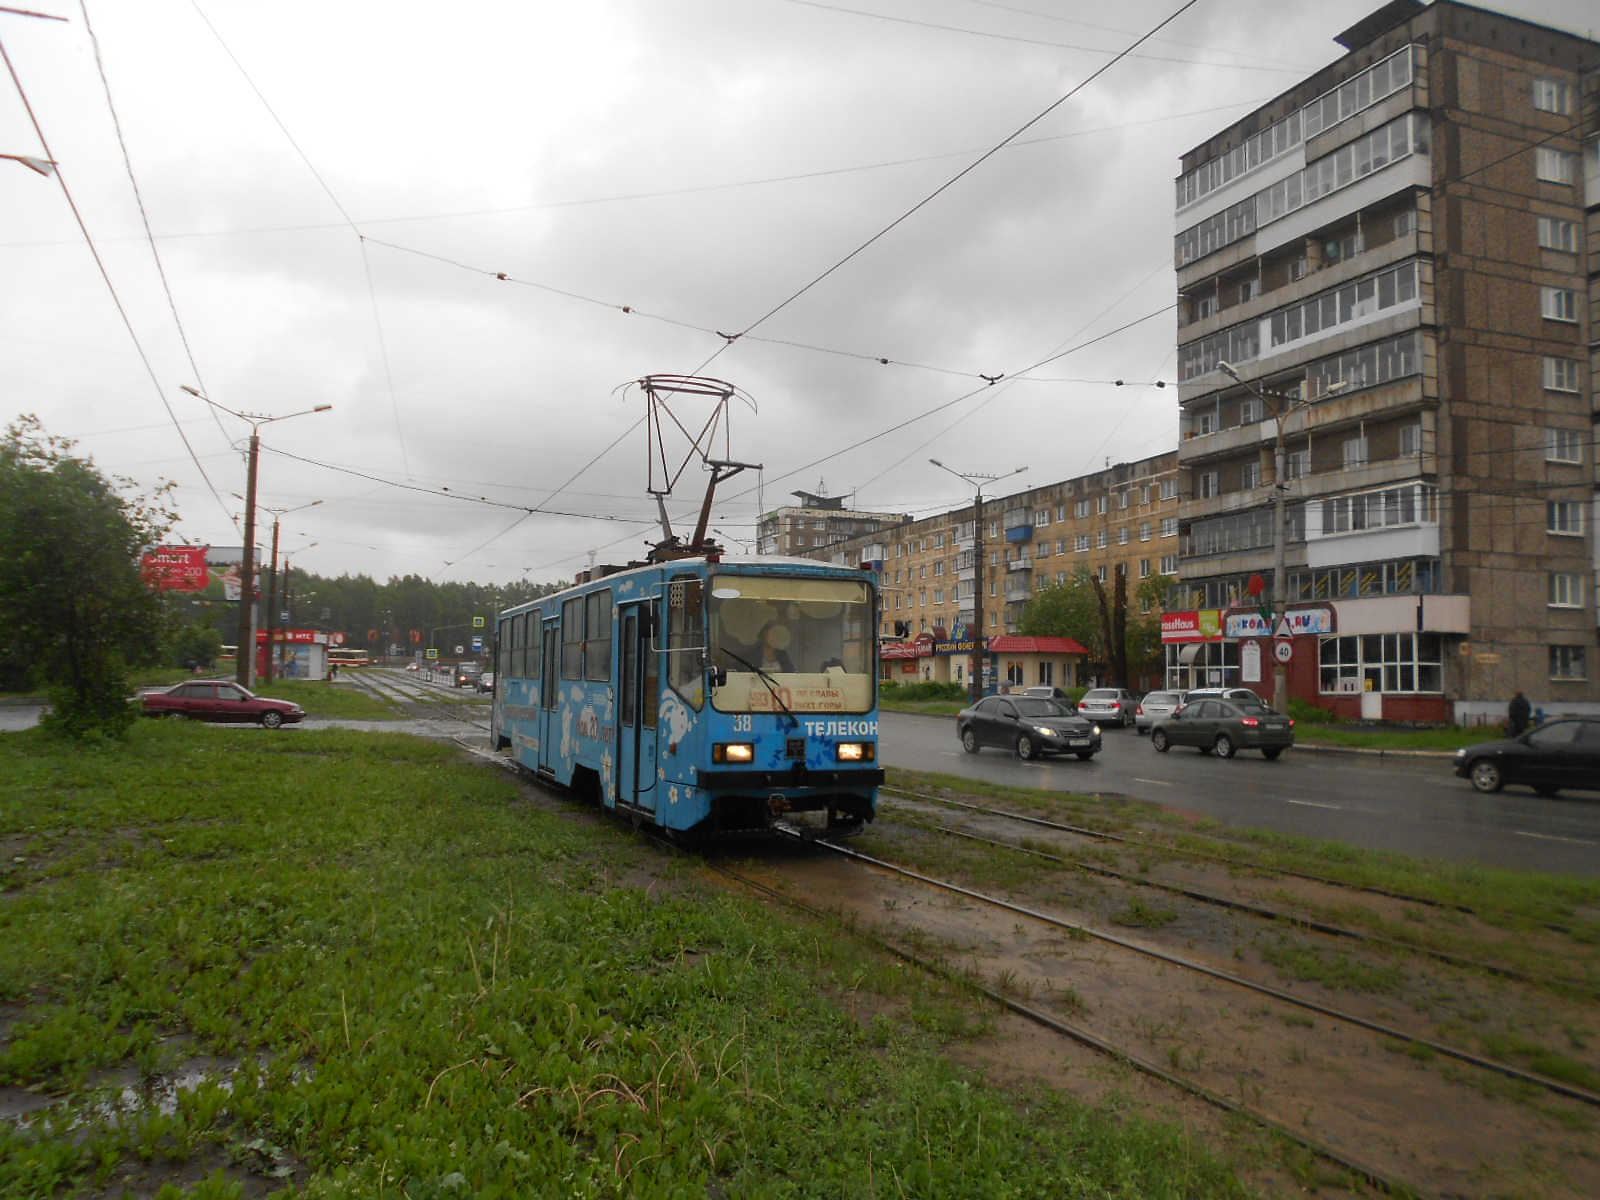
{"x": 705, "y": 695}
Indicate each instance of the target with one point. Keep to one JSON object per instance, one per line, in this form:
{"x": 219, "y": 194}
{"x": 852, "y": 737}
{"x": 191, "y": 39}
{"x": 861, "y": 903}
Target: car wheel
{"x": 1486, "y": 775}
{"x": 1223, "y": 746}
{"x": 271, "y": 720}
{"x": 1158, "y": 739}
{"x": 1025, "y": 748}
{"x": 1546, "y": 789}
{"x": 1085, "y": 755}
{"x": 1271, "y": 752}
{"x": 969, "y": 741}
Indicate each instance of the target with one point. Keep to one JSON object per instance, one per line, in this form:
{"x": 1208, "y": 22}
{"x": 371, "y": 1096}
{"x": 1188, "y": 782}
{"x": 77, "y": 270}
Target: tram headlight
{"x": 733, "y": 752}
{"x": 856, "y": 752}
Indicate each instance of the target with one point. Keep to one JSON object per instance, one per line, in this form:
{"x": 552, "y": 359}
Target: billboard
{"x": 177, "y": 569}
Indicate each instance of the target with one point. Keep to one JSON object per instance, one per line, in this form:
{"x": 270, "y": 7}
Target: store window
{"x": 1381, "y": 662}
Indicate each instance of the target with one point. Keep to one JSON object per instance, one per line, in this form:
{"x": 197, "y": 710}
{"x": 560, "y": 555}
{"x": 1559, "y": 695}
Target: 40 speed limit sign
{"x": 1283, "y": 650}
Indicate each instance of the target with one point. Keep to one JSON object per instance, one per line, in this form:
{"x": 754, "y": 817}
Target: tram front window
{"x": 791, "y": 644}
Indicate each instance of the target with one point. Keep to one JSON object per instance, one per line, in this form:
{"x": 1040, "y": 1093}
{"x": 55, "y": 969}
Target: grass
{"x": 408, "y": 981}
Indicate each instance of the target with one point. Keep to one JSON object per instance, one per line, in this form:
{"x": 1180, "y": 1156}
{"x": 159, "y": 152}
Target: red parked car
{"x": 220, "y": 700}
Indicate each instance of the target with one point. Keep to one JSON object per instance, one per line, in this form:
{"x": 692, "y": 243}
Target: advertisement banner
{"x": 176, "y": 568}
{"x": 1195, "y": 625}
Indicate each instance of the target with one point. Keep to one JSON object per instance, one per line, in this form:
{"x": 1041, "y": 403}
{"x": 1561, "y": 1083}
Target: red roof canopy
{"x": 1007, "y": 644}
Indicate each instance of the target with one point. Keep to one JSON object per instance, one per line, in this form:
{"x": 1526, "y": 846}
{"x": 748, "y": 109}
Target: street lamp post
{"x": 244, "y": 657}
{"x": 975, "y": 665}
{"x": 1282, "y": 407}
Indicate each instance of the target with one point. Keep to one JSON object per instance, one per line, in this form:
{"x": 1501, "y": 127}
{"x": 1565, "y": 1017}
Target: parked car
{"x": 1558, "y": 754}
{"x": 466, "y": 675}
{"x": 1222, "y": 693}
{"x": 1028, "y": 725}
{"x": 1226, "y": 727}
{"x": 219, "y": 700}
{"x": 1109, "y": 706}
{"x": 1050, "y": 693}
{"x": 486, "y": 682}
{"x": 1156, "y": 706}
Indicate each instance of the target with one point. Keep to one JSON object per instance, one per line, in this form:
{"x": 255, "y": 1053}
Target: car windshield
{"x": 1039, "y": 706}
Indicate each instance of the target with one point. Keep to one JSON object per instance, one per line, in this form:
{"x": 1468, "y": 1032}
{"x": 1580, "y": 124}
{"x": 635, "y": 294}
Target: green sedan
{"x": 1225, "y": 726}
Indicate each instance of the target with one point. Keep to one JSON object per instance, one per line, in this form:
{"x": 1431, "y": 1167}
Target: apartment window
{"x": 938, "y": 567}
{"x": 1144, "y": 531}
{"x": 1100, "y": 573}
{"x": 1250, "y": 475}
{"x": 1169, "y": 489}
{"x": 1102, "y": 540}
{"x": 1169, "y": 527}
{"x": 1205, "y": 422}
{"x": 1556, "y": 234}
{"x": 1563, "y": 446}
{"x": 1560, "y": 374}
{"x": 1251, "y": 411}
{"x": 1042, "y": 517}
{"x": 1205, "y": 306}
{"x": 1410, "y": 441}
{"x": 1122, "y": 498}
{"x": 1558, "y": 304}
{"x": 1568, "y": 662}
{"x": 1405, "y": 224}
{"x": 1566, "y": 590}
{"x": 1169, "y": 564}
{"x": 1249, "y": 289}
{"x": 1555, "y": 166}
{"x": 1081, "y": 508}
{"x": 1082, "y": 543}
{"x": 1355, "y": 452}
{"x": 1044, "y": 550}
{"x": 1122, "y": 536}
{"x": 1552, "y": 96}
{"x": 1144, "y": 494}
{"x": 1102, "y": 505}
{"x": 1565, "y": 517}
{"x": 1206, "y": 485}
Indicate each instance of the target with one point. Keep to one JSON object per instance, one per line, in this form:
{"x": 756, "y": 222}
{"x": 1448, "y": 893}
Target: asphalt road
{"x": 1414, "y": 805}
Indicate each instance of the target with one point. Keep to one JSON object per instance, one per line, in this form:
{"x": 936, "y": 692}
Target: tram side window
{"x": 652, "y": 674}
{"x": 686, "y": 623}
{"x": 572, "y": 638}
{"x": 505, "y": 649}
{"x": 551, "y": 689}
{"x": 530, "y": 645}
{"x": 597, "y": 635}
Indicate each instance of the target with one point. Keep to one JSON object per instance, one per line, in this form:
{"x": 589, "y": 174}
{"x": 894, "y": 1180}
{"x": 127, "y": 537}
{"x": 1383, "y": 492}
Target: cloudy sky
{"x": 468, "y": 228}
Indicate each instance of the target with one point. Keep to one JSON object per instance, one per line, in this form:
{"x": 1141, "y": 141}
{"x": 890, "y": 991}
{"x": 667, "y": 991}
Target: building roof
{"x": 1012, "y": 644}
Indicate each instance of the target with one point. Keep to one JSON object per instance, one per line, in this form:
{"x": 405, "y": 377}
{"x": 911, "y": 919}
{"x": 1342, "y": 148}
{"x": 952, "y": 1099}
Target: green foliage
{"x": 891, "y": 691}
{"x": 1306, "y": 713}
{"x": 1068, "y": 609}
{"x": 71, "y": 597}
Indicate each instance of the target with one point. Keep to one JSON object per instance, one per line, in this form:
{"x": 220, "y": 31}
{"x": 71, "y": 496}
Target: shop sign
{"x": 1195, "y": 625}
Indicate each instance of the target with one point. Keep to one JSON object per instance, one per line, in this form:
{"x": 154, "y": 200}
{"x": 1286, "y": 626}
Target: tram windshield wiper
{"x": 768, "y": 680}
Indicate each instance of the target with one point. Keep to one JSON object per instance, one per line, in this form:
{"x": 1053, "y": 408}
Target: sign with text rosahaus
{"x": 176, "y": 568}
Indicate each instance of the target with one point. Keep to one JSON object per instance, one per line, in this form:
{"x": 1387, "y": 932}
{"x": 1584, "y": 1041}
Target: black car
{"x": 1558, "y": 754}
{"x": 1226, "y": 727}
{"x": 1030, "y": 725}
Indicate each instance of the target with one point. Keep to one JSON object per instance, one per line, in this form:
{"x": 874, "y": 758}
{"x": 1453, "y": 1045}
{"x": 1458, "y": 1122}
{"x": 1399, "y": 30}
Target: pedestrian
{"x": 1517, "y": 713}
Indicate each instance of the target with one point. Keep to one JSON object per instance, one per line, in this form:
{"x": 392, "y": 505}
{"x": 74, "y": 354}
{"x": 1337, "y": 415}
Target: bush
{"x": 1306, "y": 713}
{"x": 929, "y": 690}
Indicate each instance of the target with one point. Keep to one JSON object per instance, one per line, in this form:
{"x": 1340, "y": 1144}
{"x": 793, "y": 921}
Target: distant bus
{"x": 349, "y": 658}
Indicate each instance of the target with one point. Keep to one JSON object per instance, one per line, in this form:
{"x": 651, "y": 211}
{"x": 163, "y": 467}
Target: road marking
{"x": 1157, "y": 782}
{"x": 1314, "y": 804}
{"x": 1550, "y": 837}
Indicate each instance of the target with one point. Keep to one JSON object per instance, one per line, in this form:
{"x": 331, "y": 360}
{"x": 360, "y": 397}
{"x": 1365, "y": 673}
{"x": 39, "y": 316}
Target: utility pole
{"x": 979, "y": 642}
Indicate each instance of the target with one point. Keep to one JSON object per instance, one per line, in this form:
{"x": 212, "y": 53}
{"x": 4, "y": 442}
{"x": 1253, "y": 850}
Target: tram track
{"x": 1255, "y": 868}
{"x": 1352, "y": 1080}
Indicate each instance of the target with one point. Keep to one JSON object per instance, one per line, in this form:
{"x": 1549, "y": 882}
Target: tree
{"x": 1120, "y": 643}
{"x": 1070, "y": 609}
{"x": 71, "y": 596}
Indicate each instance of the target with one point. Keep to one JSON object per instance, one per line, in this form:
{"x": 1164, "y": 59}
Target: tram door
{"x": 547, "y": 721}
{"x": 639, "y": 688}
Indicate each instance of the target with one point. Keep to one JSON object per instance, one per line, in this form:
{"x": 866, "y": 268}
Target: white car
{"x": 1157, "y": 706}
{"x": 1109, "y": 706}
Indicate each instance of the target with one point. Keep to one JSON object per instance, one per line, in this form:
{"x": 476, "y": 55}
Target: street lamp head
{"x": 322, "y": 408}
{"x": 1227, "y": 369}
{"x": 190, "y": 390}
{"x": 936, "y": 462}
{"x": 1336, "y": 386}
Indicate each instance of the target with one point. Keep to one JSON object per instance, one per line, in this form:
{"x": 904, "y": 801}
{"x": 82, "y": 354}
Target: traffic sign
{"x": 1283, "y": 650}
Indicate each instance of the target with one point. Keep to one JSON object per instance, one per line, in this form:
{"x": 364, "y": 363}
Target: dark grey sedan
{"x": 1226, "y": 727}
{"x": 1029, "y": 725}
{"x": 1560, "y": 754}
